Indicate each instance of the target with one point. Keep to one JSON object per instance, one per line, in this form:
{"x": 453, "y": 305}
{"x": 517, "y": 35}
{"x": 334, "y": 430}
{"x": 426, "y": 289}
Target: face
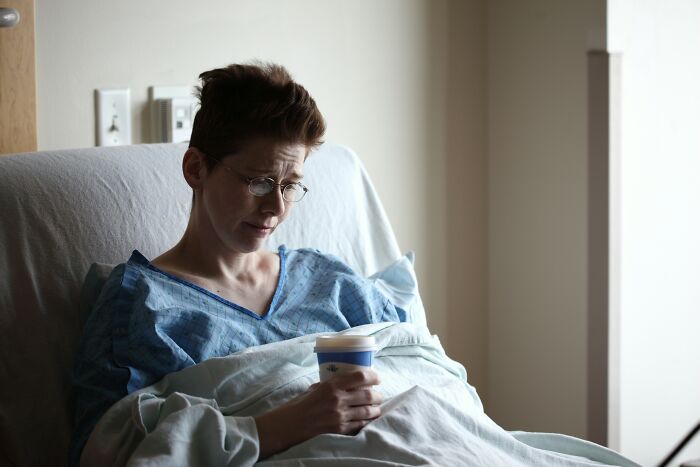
{"x": 228, "y": 214}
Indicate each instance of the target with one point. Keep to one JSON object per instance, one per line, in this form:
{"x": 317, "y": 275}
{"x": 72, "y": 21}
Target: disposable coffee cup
{"x": 343, "y": 353}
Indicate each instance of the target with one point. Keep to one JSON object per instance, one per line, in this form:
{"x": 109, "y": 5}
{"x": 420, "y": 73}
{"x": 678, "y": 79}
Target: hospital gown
{"x": 148, "y": 323}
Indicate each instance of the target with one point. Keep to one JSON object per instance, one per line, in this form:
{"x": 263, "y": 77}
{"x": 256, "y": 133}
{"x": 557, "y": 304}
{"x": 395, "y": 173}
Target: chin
{"x": 249, "y": 247}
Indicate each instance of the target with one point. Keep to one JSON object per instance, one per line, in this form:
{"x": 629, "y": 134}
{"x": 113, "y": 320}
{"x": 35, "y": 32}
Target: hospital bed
{"x": 67, "y": 212}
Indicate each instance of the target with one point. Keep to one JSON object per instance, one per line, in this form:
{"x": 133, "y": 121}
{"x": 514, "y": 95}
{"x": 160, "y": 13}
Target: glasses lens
{"x": 293, "y": 192}
{"x": 261, "y": 186}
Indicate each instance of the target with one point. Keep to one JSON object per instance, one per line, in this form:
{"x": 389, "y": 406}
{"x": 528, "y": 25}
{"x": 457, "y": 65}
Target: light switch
{"x": 113, "y": 116}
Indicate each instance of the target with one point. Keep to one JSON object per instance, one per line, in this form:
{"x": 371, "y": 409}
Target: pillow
{"x": 397, "y": 282}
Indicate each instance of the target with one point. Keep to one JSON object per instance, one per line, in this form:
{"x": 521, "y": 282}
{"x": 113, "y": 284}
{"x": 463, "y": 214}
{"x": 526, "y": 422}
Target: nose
{"x": 274, "y": 203}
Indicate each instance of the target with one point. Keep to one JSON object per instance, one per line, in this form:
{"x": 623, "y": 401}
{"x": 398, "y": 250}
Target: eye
{"x": 294, "y": 192}
{"x": 261, "y": 186}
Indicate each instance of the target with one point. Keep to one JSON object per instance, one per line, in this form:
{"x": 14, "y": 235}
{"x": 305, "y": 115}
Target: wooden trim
{"x": 18, "y": 81}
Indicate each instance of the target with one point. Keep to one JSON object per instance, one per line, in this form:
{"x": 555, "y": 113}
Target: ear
{"x": 194, "y": 167}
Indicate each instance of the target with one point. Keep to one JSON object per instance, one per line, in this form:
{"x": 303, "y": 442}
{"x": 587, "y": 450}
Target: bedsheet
{"x": 202, "y": 415}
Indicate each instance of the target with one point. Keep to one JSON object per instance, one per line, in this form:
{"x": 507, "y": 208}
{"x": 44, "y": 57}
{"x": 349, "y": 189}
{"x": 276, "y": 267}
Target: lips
{"x": 260, "y": 226}
{"x": 260, "y": 230}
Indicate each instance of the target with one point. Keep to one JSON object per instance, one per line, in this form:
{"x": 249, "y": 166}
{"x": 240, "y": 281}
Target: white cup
{"x": 343, "y": 353}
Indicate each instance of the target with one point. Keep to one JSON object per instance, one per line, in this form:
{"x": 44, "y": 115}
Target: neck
{"x": 198, "y": 255}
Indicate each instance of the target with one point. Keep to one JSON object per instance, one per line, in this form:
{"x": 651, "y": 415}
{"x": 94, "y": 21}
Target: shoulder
{"x": 317, "y": 261}
{"x": 122, "y": 276}
{"x": 105, "y": 285}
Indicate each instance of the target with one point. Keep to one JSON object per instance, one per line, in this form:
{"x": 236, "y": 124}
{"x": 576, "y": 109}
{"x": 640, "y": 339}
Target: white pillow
{"x": 399, "y": 283}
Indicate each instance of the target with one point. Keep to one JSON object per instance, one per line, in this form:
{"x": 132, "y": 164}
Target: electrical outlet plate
{"x": 155, "y": 93}
{"x": 113, "y": 116}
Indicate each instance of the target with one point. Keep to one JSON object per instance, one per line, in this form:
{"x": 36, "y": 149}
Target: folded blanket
{"x": 203, "y": 415}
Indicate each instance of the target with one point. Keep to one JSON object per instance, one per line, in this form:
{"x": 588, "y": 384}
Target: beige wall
{"x": 537, "y": 208}
{"x": 422, "y": 90}
{"x": 400, "y": 82}
{"x": 466, "y": 176}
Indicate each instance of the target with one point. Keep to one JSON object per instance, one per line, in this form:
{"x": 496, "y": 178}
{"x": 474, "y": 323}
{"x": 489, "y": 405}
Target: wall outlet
{"x": 175, "y": 119}
{"x": 158, "y": 98}
{"x": 113, "y": 116}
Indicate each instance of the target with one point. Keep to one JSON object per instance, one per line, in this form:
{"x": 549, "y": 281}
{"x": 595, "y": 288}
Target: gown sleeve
{"x": 168, "y": 431}
{"x": 97, "y": 382}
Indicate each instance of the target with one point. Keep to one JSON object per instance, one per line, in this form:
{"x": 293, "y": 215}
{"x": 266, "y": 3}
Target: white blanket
{"x": 202, "y": 415}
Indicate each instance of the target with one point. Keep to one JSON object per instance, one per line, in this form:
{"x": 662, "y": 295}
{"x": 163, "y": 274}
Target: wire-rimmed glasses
{"x": 261, "y": 186}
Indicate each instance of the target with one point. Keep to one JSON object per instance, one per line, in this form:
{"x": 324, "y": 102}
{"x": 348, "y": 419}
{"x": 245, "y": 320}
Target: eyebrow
{"x": 266, "y": 173}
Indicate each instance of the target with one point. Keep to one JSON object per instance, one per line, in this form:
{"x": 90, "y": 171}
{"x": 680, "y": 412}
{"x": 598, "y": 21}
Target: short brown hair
{"x": 242, "y": 102}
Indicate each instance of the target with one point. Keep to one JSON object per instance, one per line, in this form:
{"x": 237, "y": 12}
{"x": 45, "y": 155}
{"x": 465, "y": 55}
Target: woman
{"x": 217, "y": 291}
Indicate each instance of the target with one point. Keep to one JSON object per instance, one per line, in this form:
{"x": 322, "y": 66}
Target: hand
{"x": 343, "y": 404}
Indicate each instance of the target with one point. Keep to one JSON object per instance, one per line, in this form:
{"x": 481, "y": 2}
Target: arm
{"x": 343, "y": 404}
{"x": 145, "y": 427}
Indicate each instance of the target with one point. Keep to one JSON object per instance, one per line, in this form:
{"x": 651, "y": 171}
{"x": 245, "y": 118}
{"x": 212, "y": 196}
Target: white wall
{"x": 659, "y": 255}
{"x": 379, "y": 71}
{"x": 537, "y": 209}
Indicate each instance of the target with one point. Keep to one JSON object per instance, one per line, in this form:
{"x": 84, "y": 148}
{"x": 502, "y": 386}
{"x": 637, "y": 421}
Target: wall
{"x": 466, "y": 180}
{"x": 379, "y": 71}
{"x": 537, "y": 209}
{"x": 423, "y": 90}
{"x": 659, "y": 254}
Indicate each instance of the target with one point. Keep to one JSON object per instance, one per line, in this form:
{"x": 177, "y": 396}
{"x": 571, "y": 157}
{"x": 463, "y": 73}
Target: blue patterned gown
{"x": 148, "y": 323}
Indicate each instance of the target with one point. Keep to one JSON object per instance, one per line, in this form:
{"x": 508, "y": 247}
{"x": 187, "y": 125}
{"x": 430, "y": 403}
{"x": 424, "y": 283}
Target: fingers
{"x": 355, "y": 379}
{"x": 351, "y": 419}
{"x": 344, "y": 404}
{"x": 352, "y": 428}
{"x": 364, "y": 396}
{"x": 364, "y": 413}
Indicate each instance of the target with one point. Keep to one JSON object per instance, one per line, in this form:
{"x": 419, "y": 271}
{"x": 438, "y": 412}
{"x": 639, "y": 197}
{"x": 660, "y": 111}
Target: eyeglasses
{"x": 262, "y": 186}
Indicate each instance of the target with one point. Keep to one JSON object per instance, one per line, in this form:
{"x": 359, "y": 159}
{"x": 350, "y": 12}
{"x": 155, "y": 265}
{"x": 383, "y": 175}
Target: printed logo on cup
{"x": 342, "y": 353}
